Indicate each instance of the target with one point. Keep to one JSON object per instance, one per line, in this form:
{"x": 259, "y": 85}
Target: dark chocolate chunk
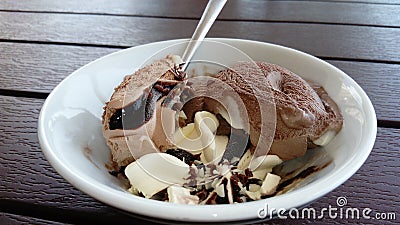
{"x": 117, "y": 172}
{"x": 183, "y": 155}
{"x": 248, "y": 172}
{"x": 161, "y": 195}
{"x": 202, "y": 194}
{"x": 224, "y": 127}
{"x": 235, "y": 189}
{"x": 212, "y": 199}
{"x": 223, "y": 200}
{"x": 114, "y": 173}
{"x": 252, "y": 181}
{"x": 303, "y": 174}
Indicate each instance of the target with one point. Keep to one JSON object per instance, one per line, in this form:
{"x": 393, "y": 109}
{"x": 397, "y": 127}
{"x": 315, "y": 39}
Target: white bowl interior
{"x": 71, "y": 137}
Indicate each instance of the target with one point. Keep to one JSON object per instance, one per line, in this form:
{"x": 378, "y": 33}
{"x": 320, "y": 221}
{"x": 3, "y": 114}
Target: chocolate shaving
{"x": 303, "y": 174}
{"x": 114, "y": 173}
{"x": 179, "y": 74}
{"x": 212, "y": 200}
{"x": 164, "y": 89}
{"x": 252, "y": 181}
{"x": 192, "y": 177}
{"x": 202, "y": 194}
{"x": 242, "y": 178}
{"x": 223, "y": 200}
{"x": 161, "y": 195}
{"x": 183, "y": 155}
{"x": 235, "y": 188}
{"x": 117, "y": 172}
{"x": 248, "y": 172}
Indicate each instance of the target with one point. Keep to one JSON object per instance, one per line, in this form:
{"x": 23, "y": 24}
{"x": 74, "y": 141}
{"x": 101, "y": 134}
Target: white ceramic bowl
{"x": 71, "y": 138}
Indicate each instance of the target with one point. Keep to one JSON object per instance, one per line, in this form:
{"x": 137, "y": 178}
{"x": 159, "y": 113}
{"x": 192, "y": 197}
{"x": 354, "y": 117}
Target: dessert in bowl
{"x": 70, "y": 130}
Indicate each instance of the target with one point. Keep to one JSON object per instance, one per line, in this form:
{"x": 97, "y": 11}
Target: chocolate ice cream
{"x": 304, "y": 112}
{"x": 128, "y": 119}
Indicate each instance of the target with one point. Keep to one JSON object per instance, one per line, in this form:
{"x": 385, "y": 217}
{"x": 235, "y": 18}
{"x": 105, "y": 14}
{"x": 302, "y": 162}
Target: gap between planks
{"x": 393, "y": 62}
{"x": 196, "y": 18}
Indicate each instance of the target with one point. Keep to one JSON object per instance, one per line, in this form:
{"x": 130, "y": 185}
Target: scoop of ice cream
{"x": 131, "y": 119}
{"x": 302, "y": 112}
{"x": 251, "y": 85}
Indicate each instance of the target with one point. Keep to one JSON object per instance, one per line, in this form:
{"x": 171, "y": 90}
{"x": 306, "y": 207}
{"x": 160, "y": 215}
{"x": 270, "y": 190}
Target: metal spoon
{"x": 210, "y": 13}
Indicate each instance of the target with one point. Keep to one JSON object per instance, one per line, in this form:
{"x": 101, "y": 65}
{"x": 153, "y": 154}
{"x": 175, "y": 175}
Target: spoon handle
{"x": 210, "y": 13}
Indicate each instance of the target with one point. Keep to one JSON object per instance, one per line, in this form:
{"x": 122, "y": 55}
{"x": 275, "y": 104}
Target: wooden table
{"x": 43, "y": 41}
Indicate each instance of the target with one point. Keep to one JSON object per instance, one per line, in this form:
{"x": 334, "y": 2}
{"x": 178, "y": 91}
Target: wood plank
{"x": 338, "y": 41}
{"x": 10, "y": 219}
{"x": 381, "y": 83}
{"x": 39, "y": 68}
{"x": 29, "y": 182}
{"x": 30, "y": 186}
{"x": 387, "y": 2}
{"x": 296, "y": 11}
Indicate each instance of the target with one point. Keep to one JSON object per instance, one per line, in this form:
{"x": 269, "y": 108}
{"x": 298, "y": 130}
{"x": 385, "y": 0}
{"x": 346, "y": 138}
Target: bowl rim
{"x": 204, "y": 213}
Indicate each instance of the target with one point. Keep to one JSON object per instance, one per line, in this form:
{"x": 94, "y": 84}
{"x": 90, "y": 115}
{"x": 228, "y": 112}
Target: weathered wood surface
{"x": 43, "y": 41}
{"x": 345, "y": 12}
{"x": 323, "y": 40}
{"x": 10, "y": 219}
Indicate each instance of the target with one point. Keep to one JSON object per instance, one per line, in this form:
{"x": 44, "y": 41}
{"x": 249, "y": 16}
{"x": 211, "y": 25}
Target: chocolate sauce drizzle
{"x": 140, "y": 111}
